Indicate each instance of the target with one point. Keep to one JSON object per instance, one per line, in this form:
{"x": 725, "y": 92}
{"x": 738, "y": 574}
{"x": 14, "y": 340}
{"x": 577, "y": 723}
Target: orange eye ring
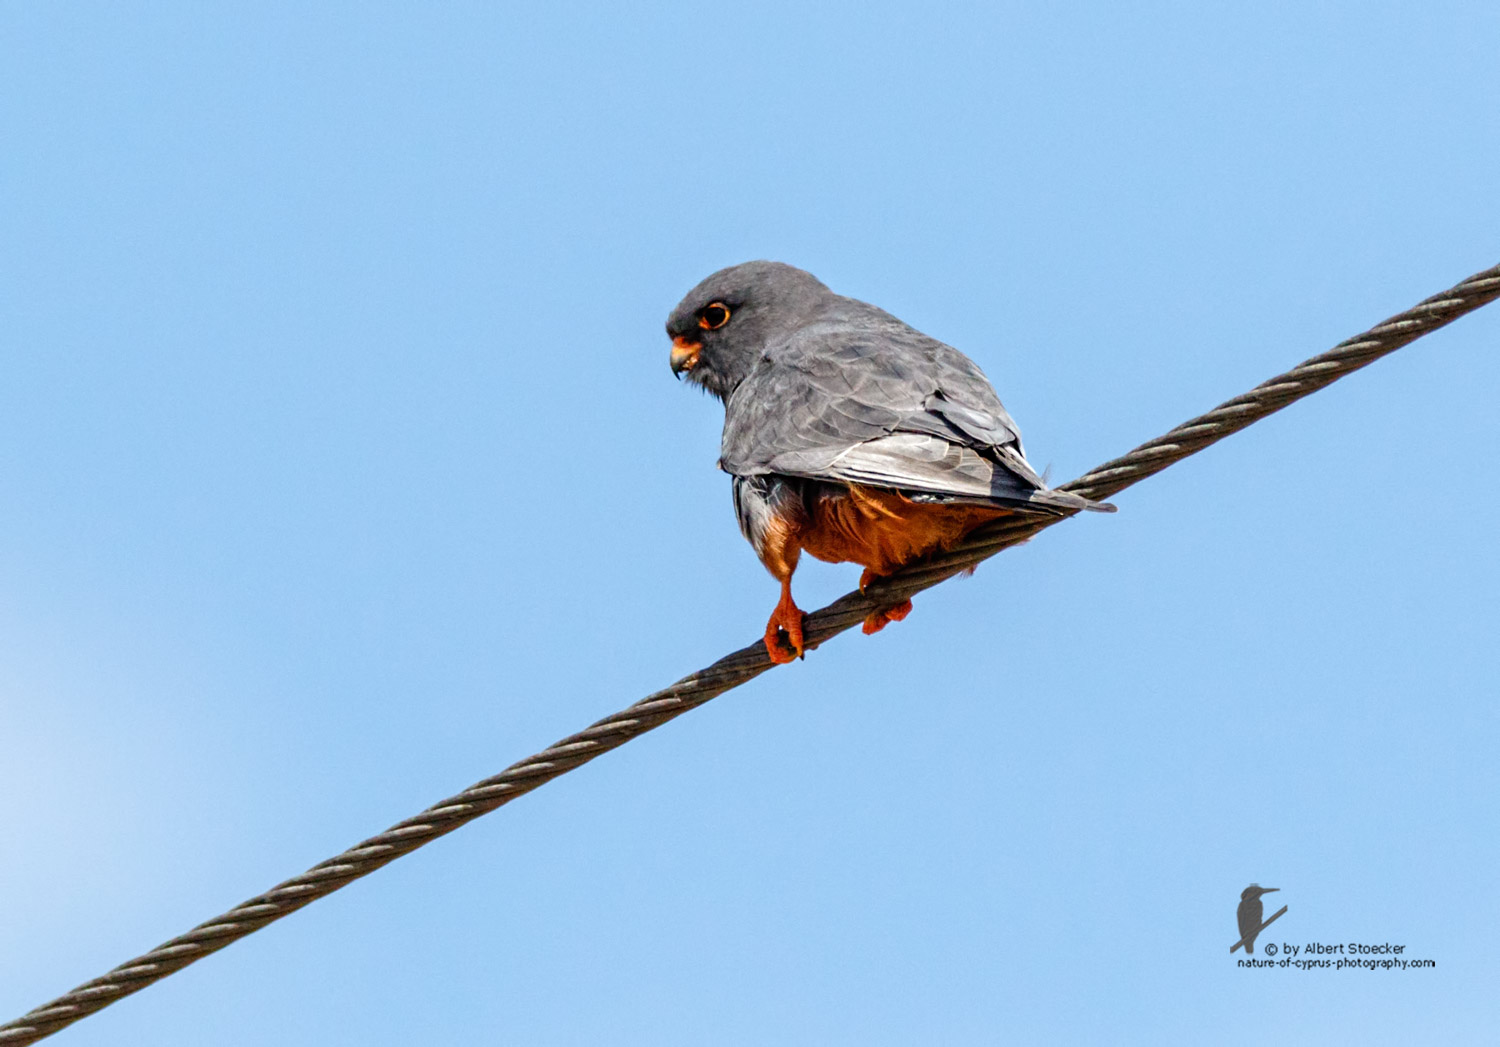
{"x": 713, "y": 316}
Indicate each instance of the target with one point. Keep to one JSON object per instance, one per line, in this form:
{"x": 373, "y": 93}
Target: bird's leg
{"x": 779, "y": 549}
{"x": 786, "y": 618}
{"x": 878, "y": 620}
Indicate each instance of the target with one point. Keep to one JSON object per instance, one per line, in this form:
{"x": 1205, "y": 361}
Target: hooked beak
{"x": 684, "y": 354}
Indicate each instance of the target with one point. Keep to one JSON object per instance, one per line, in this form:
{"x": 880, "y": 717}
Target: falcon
{"x": 850, "y": 435}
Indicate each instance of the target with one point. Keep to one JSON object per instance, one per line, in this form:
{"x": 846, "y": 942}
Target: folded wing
{"x": 876, "y": 403}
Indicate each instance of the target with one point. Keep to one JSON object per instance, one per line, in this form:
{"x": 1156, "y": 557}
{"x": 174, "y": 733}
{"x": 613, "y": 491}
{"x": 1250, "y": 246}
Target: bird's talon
{"x": 880, "y": 619}
{"x": 784, "y": 631}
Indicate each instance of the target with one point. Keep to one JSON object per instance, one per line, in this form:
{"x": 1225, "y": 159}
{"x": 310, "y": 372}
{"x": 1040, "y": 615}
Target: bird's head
{"x": 1255, "y": 890}
{"x": 721, "y": 328}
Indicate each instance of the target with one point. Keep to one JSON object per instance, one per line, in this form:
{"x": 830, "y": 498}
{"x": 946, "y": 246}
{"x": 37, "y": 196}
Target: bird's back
{"x": 858, "y": 397}
{"x": 1250, "y": 912}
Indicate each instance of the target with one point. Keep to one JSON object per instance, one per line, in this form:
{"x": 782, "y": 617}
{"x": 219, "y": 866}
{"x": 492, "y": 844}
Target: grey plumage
{"x": 760, "y": 499}
{"x": 817, "y": 386}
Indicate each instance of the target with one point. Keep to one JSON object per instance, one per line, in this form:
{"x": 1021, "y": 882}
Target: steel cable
{"x": 742, "y": 666}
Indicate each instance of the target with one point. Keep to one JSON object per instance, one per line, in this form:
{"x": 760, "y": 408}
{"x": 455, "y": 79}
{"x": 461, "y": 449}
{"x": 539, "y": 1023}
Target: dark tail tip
{"x": 1064, "y": 497}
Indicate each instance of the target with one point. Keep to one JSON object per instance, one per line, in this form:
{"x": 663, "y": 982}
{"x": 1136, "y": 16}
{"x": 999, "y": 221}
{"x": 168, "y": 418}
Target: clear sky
{"x": 341, "y": 466}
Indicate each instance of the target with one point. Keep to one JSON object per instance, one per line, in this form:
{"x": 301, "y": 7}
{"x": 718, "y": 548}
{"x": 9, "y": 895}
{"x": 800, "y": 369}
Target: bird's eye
{"x": 714, "y": 316}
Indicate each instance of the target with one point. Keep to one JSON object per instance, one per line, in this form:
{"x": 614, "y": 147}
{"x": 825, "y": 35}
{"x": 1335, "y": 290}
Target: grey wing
{"x": 880, "y": 404}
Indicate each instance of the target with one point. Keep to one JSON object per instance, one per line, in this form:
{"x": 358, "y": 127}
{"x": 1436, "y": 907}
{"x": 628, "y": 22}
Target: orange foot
{"x": 880, "y": 619}
{"x": 787, "y": 618}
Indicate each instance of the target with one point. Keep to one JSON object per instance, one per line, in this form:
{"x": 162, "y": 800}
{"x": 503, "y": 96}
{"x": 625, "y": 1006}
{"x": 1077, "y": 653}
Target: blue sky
{"x": 341, "y": 465}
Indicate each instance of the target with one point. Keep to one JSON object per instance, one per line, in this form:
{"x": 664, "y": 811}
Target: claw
{"x": 880, "y": 619}
{"x": 787, "y": 618}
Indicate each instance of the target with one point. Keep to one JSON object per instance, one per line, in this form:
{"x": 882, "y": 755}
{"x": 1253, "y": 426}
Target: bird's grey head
{"x": 1255, "y": 890}
{"x": 721, "y": 328}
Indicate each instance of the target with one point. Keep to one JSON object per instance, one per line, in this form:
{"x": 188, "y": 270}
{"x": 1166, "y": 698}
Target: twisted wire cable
{"x": 742, "y": 666}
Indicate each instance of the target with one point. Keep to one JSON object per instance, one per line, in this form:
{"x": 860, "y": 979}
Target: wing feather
{"x": 865, "y": 399}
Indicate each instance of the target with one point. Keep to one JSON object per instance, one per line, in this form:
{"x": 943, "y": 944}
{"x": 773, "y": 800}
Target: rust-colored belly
{"x": 882, "y": 530}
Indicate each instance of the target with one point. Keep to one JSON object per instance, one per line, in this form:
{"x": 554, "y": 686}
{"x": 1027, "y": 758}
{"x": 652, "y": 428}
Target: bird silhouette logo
{"x": 1249, "y": 914}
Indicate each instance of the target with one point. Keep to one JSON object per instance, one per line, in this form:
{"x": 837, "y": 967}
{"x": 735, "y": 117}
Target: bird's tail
{"x": 1038, "y": 501}
{"x": 1056, "y": 499}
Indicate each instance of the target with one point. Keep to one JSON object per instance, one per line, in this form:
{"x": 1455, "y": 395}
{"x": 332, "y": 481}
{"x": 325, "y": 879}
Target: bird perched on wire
{"x": 849, "y": 434}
